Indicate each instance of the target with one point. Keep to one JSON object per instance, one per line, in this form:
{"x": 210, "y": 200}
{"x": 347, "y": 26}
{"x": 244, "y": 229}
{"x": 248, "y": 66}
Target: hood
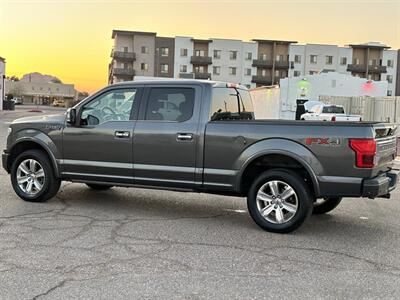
{"x": 42, "y": 119}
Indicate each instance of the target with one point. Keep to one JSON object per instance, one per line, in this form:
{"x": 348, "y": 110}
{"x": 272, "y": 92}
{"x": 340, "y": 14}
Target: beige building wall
{"x": 147, "y": 41}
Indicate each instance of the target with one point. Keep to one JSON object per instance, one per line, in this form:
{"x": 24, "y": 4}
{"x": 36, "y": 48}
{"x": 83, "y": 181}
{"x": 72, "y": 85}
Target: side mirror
{"x": 71, "y": 116}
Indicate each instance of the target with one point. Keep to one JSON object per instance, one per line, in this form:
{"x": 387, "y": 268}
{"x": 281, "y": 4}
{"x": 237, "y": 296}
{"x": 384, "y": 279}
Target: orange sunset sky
{"x": 72, "y": 39}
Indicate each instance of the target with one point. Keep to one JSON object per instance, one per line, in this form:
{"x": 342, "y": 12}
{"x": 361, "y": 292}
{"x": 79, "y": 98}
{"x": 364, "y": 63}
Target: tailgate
{"x": 347, "y": 118}
{"x": 385, "y": 136}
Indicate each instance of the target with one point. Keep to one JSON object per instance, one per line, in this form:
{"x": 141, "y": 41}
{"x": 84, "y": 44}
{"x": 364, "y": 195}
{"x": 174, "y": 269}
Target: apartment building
{"x": 2, "y": 80}
{"x": 256, "y": 63}
{"x": 272, "y": 62}
{"x": 372, "y": 61}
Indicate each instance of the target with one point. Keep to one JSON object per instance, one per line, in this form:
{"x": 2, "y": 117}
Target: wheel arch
{"x": 29, "y": 143}
{"x": 272, "y": 153}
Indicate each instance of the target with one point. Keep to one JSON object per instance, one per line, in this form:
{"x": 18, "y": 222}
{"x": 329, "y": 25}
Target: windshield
{"x": 333, "y": 109}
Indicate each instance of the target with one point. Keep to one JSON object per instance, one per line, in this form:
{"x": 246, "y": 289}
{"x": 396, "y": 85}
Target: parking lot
{"x": 137, "y": 243}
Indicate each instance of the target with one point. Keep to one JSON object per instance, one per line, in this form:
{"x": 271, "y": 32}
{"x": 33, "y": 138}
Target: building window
{"x": 276, "y": 73}
{"x": 145, "y": 49}
{"x": 297, "y": 59}
{"x": 372, "y": 62}
{"x": 232, "y": 71}
{"x": 296, "y": 73}
{"x": 232, "y": 55}
{"x": 201, "y": 53}
{"x": 216, "y": 70}
{"x": 184, "y": 52}
{"x": 390, "y": 63}
{"x": 313, "y": 72}
{"x": 248, "y": 56}
{"x": 263, "y": 56}
{"x": 328, "y": 59}
{"x": 217, "y": 54}
{"x": 199, "y": 69}
{"x": 356, "y": 61}
{"x": 343, "y": 61}
{"x": 164, "y": 68}
{"x": 279, "y": 57}
{"x": 313, "y": 59}
{"x": 144, "y": 66}
{"x": 247, "y": 72}
{"x": 125, "y": 49}
{"x": 389, "y": 93}
{"x": 389, "y": 78}
{"x": 183, "y": 68}
{"x": 164, "y": 51}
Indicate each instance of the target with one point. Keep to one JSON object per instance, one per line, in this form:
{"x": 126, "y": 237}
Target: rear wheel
{"x": 99, "y": 187}
{"x": 322, "y": 206}
{"x": 33, "y": 178}
{"x": 279, "y": 201}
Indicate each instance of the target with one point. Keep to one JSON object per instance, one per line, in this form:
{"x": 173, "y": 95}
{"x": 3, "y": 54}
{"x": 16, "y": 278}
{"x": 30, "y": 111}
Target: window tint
{"x": 115, "y": 105}
{"x": 170, "y": 104}
{"x": 231, "y": 104}
{"x": 333, "y": 110}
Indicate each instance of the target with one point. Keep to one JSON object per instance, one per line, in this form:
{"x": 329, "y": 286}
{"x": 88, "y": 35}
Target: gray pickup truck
{"x": 201, "y": 136}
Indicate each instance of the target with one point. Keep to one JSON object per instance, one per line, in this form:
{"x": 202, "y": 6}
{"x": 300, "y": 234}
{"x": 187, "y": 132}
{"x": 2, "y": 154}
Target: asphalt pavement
{"x": 128, "y": 243}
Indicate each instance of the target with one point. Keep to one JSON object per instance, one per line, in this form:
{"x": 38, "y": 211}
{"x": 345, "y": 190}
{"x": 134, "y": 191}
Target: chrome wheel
{"x": 30, "y": 176}
{"x": 277, "y": 202}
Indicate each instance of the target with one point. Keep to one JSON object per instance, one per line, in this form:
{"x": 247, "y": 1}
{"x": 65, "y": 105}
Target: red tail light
{"x": 333, "y": 119}
{"x": 365, "y": 150}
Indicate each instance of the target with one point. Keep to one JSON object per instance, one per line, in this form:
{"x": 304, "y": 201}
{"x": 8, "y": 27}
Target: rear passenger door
{"x": 166, "y": 136}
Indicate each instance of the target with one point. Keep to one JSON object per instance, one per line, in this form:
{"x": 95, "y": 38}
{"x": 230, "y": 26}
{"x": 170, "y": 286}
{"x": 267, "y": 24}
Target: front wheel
{"x": 279, "y": 201}
{"x": 322, "y": 206}
{"x": 33, "y": 178}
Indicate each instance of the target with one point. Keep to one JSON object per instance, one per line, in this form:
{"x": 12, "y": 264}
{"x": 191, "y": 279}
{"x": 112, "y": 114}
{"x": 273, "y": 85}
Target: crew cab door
{"x": 100, "y": 147}
{"x": 165, "y": 141}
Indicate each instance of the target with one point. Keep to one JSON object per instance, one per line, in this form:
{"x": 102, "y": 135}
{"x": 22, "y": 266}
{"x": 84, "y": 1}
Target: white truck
{"x": 329, "y": 112}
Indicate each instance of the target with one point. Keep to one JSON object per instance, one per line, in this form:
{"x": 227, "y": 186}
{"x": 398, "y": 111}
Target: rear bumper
{"x": 4, "y": 159}
{"x": 380, "y": 186}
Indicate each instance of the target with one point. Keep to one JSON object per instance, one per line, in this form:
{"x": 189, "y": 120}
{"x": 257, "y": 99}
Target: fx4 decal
{"x": 323, "y": 141}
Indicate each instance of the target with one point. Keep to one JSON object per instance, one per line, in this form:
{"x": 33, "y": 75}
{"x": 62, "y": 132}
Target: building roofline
{"x": 201, "y": 40}
{"x": 2, "y": 59}
{"x": 128, "y": 32}
{"x": 364, "y": 46}
{"x": 274, "y": 41}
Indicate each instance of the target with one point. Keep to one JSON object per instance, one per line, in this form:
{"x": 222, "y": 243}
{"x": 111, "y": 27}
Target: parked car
{"x": 329, "y": 112}
{"x": 59, "y": 103}
{"x": 17, "y": 101}
{"x": 122, "y": 136}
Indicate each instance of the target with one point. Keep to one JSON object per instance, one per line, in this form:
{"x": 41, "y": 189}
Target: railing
{"x": 124, "y": 72}
{"x": 123, "y": 55}
{"x": 267, "y": 80}
{"x": 262, "y": 63}
{"x": 202, "y": 75}
{"x": 201, "y": 60}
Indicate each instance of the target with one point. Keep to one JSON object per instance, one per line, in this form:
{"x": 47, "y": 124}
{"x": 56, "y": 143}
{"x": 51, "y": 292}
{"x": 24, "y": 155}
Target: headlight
{"x": 9, "y": 130}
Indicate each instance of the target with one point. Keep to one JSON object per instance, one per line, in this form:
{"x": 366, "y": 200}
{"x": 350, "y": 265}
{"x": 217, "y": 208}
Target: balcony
{"x": 261, "y": 63}
{"x": 376, "y": 69}
{"x": 123, "y": 72}
{"x": 202, "y": 75}
{"x": 200, "y": 60}
{"x": 259, "y": 79}
{"x": 357, "y": 68}
{"x": 186, "y": 75}
{"x": 127, "y": 56}
{"x": 283, "y": 64}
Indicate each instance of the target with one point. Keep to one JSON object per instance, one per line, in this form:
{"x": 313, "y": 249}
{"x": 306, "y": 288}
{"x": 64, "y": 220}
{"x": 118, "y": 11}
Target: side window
{"x": 170, "y": 104}
{"x": 115, "y": 105}
{"x": 231, "y": 104}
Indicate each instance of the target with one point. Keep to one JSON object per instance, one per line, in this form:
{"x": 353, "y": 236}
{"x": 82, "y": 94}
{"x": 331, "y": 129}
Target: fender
{"x": 280, "y": 146}
{"x": 40, "y": 138}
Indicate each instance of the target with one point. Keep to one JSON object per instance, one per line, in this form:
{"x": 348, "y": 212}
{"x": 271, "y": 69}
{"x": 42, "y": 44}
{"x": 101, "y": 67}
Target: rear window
{"x": 231, "y": 104}
{"x": 333, "y": 110}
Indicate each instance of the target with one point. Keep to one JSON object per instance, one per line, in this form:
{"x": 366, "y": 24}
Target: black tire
{"x": 326, "y": 205}
{"x": 51, "y": 183}
{"x": 304, "y": 200}
{"x": 99, "y": 187}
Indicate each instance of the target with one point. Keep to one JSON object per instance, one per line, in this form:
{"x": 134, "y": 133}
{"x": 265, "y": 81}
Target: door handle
{"x": 122, "y": 134}
{"x": 184, "y": 136}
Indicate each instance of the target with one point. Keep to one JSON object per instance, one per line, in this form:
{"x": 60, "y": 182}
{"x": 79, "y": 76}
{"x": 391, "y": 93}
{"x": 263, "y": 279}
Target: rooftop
{"x": 127, "y": 32}
{"x": 370, "y": 45}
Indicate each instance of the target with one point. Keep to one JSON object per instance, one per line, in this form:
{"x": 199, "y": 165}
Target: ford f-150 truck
{"x": 329, "y": 112}
{"x": 191, "y": 135}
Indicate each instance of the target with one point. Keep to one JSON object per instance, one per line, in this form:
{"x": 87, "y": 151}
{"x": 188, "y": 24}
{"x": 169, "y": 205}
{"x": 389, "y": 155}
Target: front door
{"x": 101, "y": 147}
{"x": 166, "y": 136}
